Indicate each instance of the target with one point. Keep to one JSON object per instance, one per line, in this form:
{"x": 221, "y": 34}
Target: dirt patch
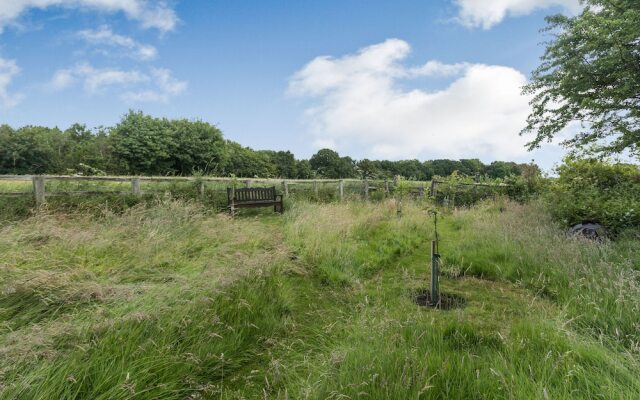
{"x": 448, "y": 301}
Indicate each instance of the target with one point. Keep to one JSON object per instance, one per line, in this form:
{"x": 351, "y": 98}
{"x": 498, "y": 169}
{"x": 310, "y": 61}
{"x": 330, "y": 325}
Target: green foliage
{"x": 247, "y": 163}
{"x": 589, "y": 73}
{"x": 328, "y": 164}
{"x": 31, "y": 149}
{"x": 284, "y": 161}
{"x": 143, "y": 145}
{"x": 411, "y": 169}
{"x": 460, "y": 190}
{"x": 38, "y": 150}
{"x": 593, "y": 190}
{"x": 502, "y": 169}
{"x": 304, "y": 170}
{"x": 152, "y": 146}
{"x": 367, "y": 169}
{"x": 88, "y": 152}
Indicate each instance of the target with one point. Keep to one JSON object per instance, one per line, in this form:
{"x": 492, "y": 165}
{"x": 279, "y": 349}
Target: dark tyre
{"x": 590, "y": 230}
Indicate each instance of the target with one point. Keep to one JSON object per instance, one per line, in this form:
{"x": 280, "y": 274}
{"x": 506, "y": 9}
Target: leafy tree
{"x": 429, "y": 171}
{"x": 9, "y": 155}
{"x": 590, "y": 73}
{"x": 245, "y": 162}
{"x": 411, "y": 169}
{"x": 445, "y": 167}
{"x": 143, "y": 144}
{"x": 328, "y": 164}
{"x": 284, "y": 163}
{"x": 502, "y": 169}
{"x": 367, "y": 169}
{"x": 303, "y": 169}
{"x": 472, "y": 167}
{"x": 199, "y": 146}
{"x": 387, "y": 169}
{"x": 154, "y": 146}
{"x": 31, "y": 150}
{"x": 86, "y": 151}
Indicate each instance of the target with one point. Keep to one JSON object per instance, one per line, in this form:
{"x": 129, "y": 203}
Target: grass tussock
{"x": 174, "y": 302}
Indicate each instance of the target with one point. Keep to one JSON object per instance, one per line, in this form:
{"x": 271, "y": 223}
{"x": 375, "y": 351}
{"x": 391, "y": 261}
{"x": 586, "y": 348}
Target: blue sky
{"x": 378, "y": 79}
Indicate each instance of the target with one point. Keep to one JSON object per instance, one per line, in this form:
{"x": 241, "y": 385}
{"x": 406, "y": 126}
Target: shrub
{"x": 593, "y": 190}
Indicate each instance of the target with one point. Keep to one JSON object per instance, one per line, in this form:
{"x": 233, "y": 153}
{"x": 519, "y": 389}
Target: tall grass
{"x": 596, "y": 284}
{"x": 347, "y": 242}
{"x": 171, "y": 301}
{"x": 83, "y": 296}
{"x": 506, "y": 343}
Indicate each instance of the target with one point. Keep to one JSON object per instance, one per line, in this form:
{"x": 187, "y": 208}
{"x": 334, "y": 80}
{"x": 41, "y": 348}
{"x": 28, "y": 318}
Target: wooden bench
{"x": 254, "y": 197}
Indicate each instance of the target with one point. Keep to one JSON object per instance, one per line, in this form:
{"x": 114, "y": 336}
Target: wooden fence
{"x": 39, "y": 192}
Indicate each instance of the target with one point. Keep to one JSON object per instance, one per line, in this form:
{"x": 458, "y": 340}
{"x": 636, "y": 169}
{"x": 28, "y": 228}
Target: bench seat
{"x": 254, "y": 197}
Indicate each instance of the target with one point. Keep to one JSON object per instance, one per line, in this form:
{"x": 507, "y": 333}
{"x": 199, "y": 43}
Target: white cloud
{"x": 166, "y": 86}
{"x": 487, "y": 13}
{"x": 8, "y": 70}
{"x": 94, "y": 79}
{"x": 150, "y": 14}
{"x": 157, "y": 86}
{"x": 436, "y": 68}
{"x": 105, "y": 36}
{"x": 358, "y": 103}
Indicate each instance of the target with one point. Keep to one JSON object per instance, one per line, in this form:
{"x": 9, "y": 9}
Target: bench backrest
{"x": 251, "y": 194}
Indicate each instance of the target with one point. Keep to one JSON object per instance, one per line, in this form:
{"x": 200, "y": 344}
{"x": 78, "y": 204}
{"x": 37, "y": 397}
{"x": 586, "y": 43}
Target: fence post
{"x": 135, "y": 186}
{"x": 232, "y": 207}
{"x": 201, "y": 189}
{"x": 38, "y": 189}
{"x": 315, "y": 188}
{"x": 434, "y": 188}
{"x": 386, "y": 188}
{"x": 341, "y": 188}
{"x": 421, "y": 190}
{"x": 366, "y": 190}
{"x": 285, "y": 184}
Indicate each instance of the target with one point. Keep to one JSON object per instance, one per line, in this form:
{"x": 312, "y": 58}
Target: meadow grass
{"x": 597, "y": 284}
{"x": 173, "y": 301}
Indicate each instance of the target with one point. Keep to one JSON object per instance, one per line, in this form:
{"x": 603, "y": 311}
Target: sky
{"x": 395, "y": 79}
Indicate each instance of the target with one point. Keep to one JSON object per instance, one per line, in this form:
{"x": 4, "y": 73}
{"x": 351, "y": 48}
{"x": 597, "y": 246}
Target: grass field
{"x": 170, "y": 300}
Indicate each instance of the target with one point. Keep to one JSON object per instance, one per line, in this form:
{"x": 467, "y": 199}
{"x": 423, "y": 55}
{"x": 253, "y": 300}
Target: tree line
{"x": 143, "y": 145}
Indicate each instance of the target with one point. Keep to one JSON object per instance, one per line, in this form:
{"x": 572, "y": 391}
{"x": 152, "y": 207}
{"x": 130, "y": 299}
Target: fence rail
{"x": 365, "y": 185}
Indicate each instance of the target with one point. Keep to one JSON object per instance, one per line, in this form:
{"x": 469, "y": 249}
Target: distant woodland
{"x": 143, "y": 145}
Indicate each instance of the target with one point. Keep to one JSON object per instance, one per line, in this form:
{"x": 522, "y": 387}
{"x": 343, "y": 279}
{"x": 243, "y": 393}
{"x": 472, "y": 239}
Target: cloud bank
{"x": 150, "y": 14}
{"x": 366, "y": 101}
{"x": 487, "y": 13}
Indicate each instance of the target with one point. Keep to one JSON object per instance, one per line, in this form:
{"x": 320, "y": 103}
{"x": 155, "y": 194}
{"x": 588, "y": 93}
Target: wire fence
{"x": 209, "y": 189}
